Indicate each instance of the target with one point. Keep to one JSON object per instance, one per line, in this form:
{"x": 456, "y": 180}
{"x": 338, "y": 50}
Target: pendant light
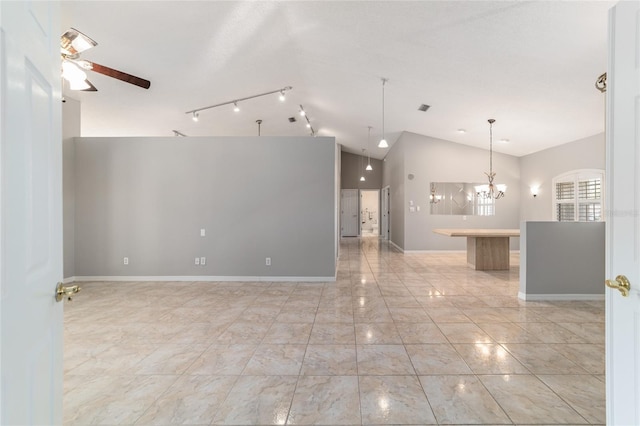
{"x": 369, "y": 168}
{"x": 491, "y": 190}
{"x": 383, "y": 142}
{"x": 362, "y": 179}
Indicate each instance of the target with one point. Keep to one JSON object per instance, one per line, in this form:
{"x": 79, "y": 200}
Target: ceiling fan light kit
{"x": 72, "y": 43}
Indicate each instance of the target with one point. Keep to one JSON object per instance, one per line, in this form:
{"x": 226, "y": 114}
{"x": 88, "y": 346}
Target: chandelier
{"x": 495, "y": 191}
{"x": 434, "y": 198}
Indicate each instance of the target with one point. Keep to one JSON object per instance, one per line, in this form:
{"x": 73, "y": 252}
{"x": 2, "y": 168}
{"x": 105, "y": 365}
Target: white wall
{"x": 539, "y": 169}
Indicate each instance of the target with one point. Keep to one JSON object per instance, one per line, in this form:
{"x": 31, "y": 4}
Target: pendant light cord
{"x": 369, "y": 145}
{"x": 491, "y": 121}
{"x": 384, "y": 80}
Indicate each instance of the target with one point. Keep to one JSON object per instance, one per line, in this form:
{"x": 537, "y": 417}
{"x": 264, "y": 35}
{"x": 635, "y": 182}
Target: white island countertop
{"x": 465, "y": 232}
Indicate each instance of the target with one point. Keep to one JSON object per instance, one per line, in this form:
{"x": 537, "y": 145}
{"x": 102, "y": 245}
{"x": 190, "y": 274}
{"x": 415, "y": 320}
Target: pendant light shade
{"x": 383, "y": 142}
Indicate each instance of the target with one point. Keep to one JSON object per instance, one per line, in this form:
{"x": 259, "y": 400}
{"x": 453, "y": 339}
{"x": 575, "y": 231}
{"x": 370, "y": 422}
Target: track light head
{"x": 236, "y": 108}
{"x": 282, "y": 97}
{"x": 302, "y": 113}
{"x": 195, "y": 116}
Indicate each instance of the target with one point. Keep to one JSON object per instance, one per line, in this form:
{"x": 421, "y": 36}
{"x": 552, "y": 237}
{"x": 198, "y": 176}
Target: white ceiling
{"x": 531, "y": 65}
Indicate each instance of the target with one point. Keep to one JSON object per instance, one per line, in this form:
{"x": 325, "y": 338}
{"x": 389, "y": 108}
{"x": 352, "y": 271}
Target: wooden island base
{"x": 488, "y": 253}
{"x": 487, "y": 249}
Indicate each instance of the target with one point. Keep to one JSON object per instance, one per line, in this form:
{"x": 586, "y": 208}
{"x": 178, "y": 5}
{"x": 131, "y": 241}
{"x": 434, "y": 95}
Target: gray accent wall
{"x": 562, "y": 258}
{"x": 147, "y": 198}
{"x": 70, "y": 130}
{"x": 352, "y": 169}
{"x": 540, "y": 168}
{"x": 435, "y": 160}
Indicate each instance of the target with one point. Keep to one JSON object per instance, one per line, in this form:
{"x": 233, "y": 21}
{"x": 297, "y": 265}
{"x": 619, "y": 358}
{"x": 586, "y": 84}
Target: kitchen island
{"x": 487, "y": 249}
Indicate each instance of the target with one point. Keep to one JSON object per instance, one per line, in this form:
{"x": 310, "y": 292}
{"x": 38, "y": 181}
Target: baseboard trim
{"x": 396, "y": 246}
{"x": 559, "y": 297}
{"x": 198, "y": 278}
{"x": 433, "y": 251}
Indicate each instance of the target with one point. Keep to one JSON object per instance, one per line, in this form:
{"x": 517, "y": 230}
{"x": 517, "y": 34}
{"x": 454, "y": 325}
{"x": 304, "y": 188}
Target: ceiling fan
{"x": 72, "y": 43}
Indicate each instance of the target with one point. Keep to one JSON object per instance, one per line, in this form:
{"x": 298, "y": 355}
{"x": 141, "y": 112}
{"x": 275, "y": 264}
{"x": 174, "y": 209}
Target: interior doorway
{"x": 369, "y": 212}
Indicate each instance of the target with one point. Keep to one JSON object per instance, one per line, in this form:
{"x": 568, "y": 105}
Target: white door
{"x": 30, "y": 213}
{"x": 623, "y": 218}
{"x": 384, "y": 208}
{"x": 349, "y": 213}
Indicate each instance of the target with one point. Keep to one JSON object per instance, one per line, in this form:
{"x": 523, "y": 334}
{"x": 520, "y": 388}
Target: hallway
{"x": 397, "y": 339}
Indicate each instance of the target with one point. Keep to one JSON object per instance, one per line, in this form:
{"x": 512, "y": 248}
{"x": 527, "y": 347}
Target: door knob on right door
{"x": 621, "y": 283}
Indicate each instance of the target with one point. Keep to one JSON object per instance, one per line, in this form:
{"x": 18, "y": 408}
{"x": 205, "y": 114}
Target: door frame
{"x": 385, "y": 220}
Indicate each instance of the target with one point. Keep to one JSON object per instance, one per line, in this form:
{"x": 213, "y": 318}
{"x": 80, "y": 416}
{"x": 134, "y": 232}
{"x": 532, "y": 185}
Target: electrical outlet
{"x": 125, "y": 261}
{"x": 203, "y": 261}
{"x": 197, "y": 261}
{"x": 267, "y": 261}
{"x": 202, "y": 232}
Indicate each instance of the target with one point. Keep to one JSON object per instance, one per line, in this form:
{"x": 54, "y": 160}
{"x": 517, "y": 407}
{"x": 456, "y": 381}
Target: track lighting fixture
{"x": 282, "y": 97}
{"x": 236, "y": 108}
{"x": 369, "y": 168}
{"x": 178, "y": 133}
{"x": 383, "y": 142}
{"x": 195, "y": 116}
{"x": 306, "y": 117}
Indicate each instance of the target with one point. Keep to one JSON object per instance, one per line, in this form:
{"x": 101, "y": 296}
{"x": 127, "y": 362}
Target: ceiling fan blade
{"x": 74, "y": 42}
{"x": 137, "y": 81}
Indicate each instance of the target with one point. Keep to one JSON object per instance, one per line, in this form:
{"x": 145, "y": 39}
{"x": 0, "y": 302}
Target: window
{"x": 578, "y": 196}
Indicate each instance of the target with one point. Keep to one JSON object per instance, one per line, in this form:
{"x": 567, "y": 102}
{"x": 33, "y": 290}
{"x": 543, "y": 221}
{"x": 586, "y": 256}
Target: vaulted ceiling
{"x": 531, "y": 65}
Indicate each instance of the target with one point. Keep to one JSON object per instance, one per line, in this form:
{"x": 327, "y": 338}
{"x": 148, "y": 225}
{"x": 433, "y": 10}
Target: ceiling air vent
{"x": 423, "y": 107}
{"x": 292, "y": 119}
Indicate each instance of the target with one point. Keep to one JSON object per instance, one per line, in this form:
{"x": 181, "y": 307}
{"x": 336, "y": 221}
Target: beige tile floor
{"x": 397, "y": 339}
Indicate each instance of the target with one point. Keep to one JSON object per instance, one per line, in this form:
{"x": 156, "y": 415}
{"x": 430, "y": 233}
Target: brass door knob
{"x": 621, "y": 283}
{"x": 68, "y": 291}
